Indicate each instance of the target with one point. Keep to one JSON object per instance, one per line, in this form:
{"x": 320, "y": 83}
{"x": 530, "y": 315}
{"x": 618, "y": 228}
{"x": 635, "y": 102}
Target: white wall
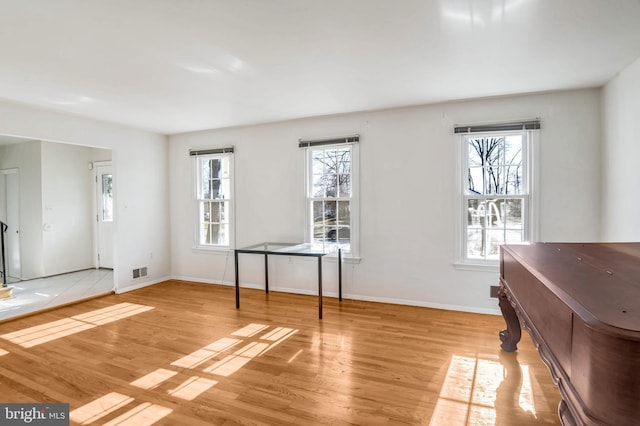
{"x": 26, "y": 158}
{"x": 408, "y": 197}
{"x": 620, "y": 156}
{"x": 140, "y": 162}
{"x": 406, "y": 258}
{"x": 68, "y": 201}
{"x": 56, "y": 205}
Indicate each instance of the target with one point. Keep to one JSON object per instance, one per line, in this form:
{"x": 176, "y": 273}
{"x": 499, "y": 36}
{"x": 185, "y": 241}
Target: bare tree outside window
{"x": 496, "y": 193}
{"x": 330, "y": 195}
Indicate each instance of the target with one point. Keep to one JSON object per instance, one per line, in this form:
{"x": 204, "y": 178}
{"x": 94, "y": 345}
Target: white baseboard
{"x": 142, "y": 285}
{"x": 423, "y": 304}
{"x": 204, "y": 280}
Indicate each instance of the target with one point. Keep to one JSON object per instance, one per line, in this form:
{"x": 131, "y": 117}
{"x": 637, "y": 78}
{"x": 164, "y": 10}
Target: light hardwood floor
{"x": 179, "y": 353}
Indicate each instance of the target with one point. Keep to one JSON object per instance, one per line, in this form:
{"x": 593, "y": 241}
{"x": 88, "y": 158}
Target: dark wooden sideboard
{"x": 581, "y": 305}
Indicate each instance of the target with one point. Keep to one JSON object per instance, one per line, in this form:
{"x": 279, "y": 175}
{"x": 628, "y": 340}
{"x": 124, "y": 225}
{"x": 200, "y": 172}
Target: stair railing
{"x": 3, "y": 229}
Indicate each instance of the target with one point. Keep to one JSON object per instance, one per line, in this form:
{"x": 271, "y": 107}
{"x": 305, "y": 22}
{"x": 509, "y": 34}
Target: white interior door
{"x": 105, "y": 216}
{"x": 12, "y": 241}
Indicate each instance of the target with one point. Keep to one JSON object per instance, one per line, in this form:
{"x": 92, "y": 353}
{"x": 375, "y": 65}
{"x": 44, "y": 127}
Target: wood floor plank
{"x": 187, "y": 356}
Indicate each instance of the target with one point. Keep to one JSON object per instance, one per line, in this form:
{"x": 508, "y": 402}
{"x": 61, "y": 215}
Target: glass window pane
{"x": 215, "y": 186}
{"x": 318, "y": 213}
{"x": 474, "y": 150}
{"x": 224, "y": 191}
{"x": 205, "y": 235}
{"x": 495, "y": 239}
{"x": 331, "y": 233}
{"x": 205, "y": 212}
{"x": 493, "y": 214}
{"x": 514, "y": 183}
{"x": 107, "y": 198}
{"x": 344, "y": 161}
{"x": 318, "y": 234}
{"x": 344, "y": 224}
{"x": 215, "y": 165}
{"x": 330, "y": 213}
{"x": 215, "y": 233}
{"x": 494, "y": 151}
{"x": 498, "y": 180}
{"x": 204, "y": 172}
{"x": 513, "y": 150}
{"x": 331, "y": 161}
{"x": 211, "y": 231}
{"x": 475, "y": 215}
{"x": 513, "y": 213}
{"x": 493, "y": 180}
{"x": 475, "y": 180}
{"x": 215, "y": 212}
{"x": 331, "y": 185}
{"x": 215, "y": 180}
{"x": 224, "y": 211}
{"x": 317, "y": 162}
{"x": 475, "y": 243}
{"x": 216, "y": 189}
{"x": 318, "y": 185}
{"x": 225, "y": 167}
{"x": 344, "y": 213}
{"x": 205, "y": 188}
{"x": 344, "y": 185}
{"x": 344, "y": 235}
{"x": 223, "y": 234}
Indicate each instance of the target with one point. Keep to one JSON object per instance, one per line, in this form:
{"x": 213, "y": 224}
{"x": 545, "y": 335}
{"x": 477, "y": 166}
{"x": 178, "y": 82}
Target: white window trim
{"x": 532, "y": 212}
{"x": 196, "y": 206}
{"x": 353, "y": 255}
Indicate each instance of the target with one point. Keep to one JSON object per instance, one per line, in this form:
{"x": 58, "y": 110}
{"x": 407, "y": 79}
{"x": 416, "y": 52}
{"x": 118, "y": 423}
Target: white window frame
{"x": 530, "y": 216}
{"x": 354, "y": 201}
{"x": 197, "y": 174}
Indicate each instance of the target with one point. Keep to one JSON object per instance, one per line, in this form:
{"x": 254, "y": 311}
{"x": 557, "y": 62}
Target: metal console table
{"x": 288, "y": 249}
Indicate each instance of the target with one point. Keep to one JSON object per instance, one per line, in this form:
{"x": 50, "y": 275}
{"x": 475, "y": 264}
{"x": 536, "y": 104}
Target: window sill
{"x": 333, "y": 258}
{"x": 345, "y": 259}
{"x": 215, "y": 250}
{"x": 478, "y": 267}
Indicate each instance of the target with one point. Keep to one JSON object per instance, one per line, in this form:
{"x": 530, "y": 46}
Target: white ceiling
{"x": 173, "y": 66}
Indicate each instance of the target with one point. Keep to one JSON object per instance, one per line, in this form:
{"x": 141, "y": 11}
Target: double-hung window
{"x": 214, "y": 197}
{"x": 331, "y": 194}
{"x": 496, "y": 188}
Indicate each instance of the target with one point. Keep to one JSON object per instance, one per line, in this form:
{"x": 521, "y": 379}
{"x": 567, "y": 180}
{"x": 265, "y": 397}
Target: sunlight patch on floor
{"x": 159, "y": 380}
{"x": 250, "y": 330}
{"x": 53, "y": 330}
{"x": 191, "y": 388}
{"x": 144, "y": 414}
{"x": 153, "y": 379}
{"x": 99, "y": 408}
{"x": 472, "y": 390}
{"x": 204, "y": 354}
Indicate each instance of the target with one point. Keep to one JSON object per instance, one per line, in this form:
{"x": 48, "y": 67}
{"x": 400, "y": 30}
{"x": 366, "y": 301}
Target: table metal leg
{"x": 237, "y": 281}
{"x": 340, "y": 274}
{"x": 266, "y": 273}
{"x": 320, "y": 287}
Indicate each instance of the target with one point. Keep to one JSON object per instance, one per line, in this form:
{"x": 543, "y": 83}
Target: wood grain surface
{"x": 179, "y": 353}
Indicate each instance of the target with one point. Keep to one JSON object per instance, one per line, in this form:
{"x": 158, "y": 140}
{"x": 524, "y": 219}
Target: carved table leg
{"x": 511, "y": 336}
